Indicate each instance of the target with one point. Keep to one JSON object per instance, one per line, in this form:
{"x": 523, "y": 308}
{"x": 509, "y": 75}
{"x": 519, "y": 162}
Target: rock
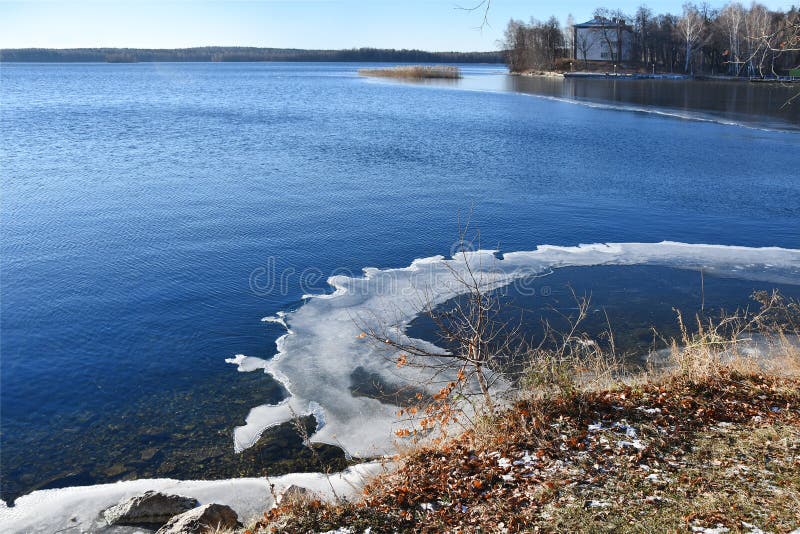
{"x": 116, "y": 470}
{"x": 202, "y": 520}
{"x": 295, "y": 493}
{"x": 147, "y": 454}
{"x": 152, "y": 508}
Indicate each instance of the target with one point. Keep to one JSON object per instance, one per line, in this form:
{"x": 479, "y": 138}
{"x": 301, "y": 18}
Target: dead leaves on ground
{"x": 573, "y": 451}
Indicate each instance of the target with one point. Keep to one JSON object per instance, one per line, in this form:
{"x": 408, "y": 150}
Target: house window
{"x": 605, "y": 55}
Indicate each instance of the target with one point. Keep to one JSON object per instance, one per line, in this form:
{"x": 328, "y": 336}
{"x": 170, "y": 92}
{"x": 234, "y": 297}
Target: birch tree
{"x": 730, "y": 19}
{"x": 701, "y": 39}
{"x": 567, "y": 36}
{"x": 757, "y": 26}
{"x": 690, "y": 28}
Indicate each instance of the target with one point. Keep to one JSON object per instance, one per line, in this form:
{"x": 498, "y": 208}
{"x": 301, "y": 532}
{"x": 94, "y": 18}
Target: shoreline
{"x": 652, "y": 76}
{"x": 634, "y": 76}
{"x": 363, "y": 426}
{"x": 257, "y": 430}
{"x": 52, "y": 510}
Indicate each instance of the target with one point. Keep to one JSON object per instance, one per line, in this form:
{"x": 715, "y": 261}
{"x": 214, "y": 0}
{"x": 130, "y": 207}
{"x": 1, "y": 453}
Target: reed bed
{"x": 414, "y": 72}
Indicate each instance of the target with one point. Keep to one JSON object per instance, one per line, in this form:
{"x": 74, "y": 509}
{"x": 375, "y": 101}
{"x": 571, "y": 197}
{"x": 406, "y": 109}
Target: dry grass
{"x": 736, "y": 476}
{"x": 656, "y": 458}
{"x": 414, "y": 72}
{"x": 710, "y": 439}
{"x": 565, "y": 363}
{"x": 765, "y": 340}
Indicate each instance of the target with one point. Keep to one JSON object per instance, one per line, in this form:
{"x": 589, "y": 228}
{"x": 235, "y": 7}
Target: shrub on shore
{"x": 414, "y": 72}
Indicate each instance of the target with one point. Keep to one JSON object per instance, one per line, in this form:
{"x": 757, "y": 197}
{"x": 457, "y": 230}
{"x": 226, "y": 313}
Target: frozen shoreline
{"x": 80, "y": 507}
{"x": 325, "y": 344}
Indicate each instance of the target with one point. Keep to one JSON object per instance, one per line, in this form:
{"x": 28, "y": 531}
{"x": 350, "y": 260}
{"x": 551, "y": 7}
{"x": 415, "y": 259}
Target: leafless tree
{"x": 535, "y": 45}
{"x": 730, "y": 19}
{"x": 770, "y": 36}
{"x": 782, "y": 38}
{"x": 515, "y": 45}
{"x": 583, "y": 44}
{"x": 568, "y": 37}
{"x": 642, "y": 23}
{"x": 611, "y": 22}
{"x": 734, "y": 39}
{"x": 690, "y": 28}
{"x": 757, "y": 23}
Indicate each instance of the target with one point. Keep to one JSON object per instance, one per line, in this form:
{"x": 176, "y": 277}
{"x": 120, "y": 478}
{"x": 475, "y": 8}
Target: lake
{"x": 153, "y": 214}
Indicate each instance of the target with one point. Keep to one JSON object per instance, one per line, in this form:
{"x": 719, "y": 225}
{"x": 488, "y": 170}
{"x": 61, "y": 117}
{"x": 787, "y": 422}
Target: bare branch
{"x": 484, "y": 5}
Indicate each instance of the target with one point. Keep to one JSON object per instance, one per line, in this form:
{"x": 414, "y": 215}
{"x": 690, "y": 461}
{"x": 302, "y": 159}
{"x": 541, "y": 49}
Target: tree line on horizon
{"x": 225, "y": 54}
{"x": 733, "y": 40}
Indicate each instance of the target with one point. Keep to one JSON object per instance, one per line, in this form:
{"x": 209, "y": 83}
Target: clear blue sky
{"x": 425, "y": 24}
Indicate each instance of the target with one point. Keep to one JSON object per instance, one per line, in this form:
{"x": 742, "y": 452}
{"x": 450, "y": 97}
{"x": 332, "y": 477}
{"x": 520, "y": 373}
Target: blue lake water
{"x": 142, "y": 202}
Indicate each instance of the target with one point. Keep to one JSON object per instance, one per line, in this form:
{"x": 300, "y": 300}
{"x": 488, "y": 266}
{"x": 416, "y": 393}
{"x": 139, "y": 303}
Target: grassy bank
{"x": 709, "y": 442}
{"x": 414, "y": 72}
{"x": 659, "y": 457}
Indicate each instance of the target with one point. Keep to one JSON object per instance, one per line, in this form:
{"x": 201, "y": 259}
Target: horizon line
{"x": 194, "y": 47}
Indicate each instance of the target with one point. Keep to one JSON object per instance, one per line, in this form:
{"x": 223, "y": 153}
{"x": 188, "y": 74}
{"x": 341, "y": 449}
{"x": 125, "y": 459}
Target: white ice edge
{"x": 661, "y": 112}
{"x": 52, "y": 510}
{"x": 245, "y": 364}
{"x": 324, "y": 346}
{"x": 278, "y": 318}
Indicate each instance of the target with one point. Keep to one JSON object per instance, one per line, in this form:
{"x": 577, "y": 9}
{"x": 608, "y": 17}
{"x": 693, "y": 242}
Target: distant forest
{"x": 227, "y": 53}
{"x": 734, "y": 40}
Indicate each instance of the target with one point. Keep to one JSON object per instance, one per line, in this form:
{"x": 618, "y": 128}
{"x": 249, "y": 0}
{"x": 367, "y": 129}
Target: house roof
{"x": 599, "y": 22}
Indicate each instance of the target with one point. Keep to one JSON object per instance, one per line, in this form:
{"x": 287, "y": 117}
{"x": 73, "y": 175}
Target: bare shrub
{"x": 489, "y": 361}
{"x": 465, "y": 374}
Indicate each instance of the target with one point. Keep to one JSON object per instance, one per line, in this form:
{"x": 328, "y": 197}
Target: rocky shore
{"x": 172, "y": 506}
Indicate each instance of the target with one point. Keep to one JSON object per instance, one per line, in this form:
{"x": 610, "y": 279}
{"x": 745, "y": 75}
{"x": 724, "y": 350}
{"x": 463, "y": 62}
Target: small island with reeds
{"x": 416, "y": 72}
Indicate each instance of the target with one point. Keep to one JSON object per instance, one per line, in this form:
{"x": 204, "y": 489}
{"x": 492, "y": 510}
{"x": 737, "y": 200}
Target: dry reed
{"x": 414, "y": 72}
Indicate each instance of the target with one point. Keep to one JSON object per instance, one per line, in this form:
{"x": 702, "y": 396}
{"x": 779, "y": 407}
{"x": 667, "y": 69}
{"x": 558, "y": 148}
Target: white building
{"x": 602, "y": 40}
